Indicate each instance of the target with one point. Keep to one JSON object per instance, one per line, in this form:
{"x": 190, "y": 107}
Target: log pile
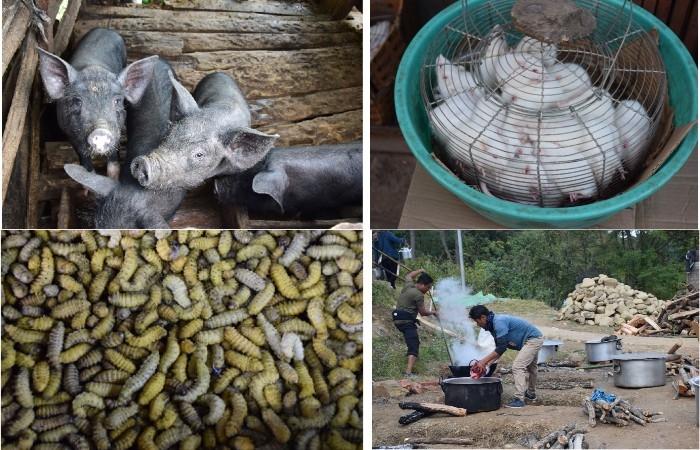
{"x": 604, "y": 301}
{"x": 679, "y": 316}
{"x": 568, "y": 437}
{"x": 684, "y": 369}
{"x": 427, "y": 409}
{"x": 619, "y": 412}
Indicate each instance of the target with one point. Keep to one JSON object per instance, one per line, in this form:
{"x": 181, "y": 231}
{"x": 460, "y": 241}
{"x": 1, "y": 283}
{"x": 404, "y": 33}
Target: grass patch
{"x": 389, "y": 356}
{"x": 520, "y": 307}
{"x": 383, "y": 294}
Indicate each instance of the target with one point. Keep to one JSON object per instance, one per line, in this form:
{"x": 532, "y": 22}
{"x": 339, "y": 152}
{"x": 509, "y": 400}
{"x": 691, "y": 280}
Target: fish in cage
{"x": 544, "y": 103}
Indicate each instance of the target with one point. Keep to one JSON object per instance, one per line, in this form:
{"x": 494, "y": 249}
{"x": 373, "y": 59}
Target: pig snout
{"x": 142, "y": 171}
{"x": 101, "y": 141}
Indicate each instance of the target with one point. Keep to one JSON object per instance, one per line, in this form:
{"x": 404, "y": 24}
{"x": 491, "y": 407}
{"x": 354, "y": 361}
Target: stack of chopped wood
{"x": 620, "y": 412}
{"x": 678, "y": 316}
{"x": 567, "y": 437}
{"x": 684, "y": 370}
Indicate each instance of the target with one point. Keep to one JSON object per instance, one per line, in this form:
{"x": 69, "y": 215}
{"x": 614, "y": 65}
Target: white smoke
{"x": 453, "y": 307}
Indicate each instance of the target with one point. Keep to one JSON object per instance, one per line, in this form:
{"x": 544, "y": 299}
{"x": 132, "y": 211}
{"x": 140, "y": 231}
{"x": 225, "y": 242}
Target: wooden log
{"x": 590, "y": 410}
{"x": 16, "y": 117}
{"x": 262, "y": 6}
{"x": 439, "y": 441}
{"x": 32, "y": 219}
{"x": 692, "y": 312}
{"x": 651, "y": 322}
{"x": 415, "y": 416}
{"x": 577, "y": 441}
{"x": 15, "y": 23}
{"x": 65, "y": 26}
{"x": 434, "y": 408}
{"x": 674, "y": 348}
{"x": 542, "y": 443}
{"x": 663, "y": 330}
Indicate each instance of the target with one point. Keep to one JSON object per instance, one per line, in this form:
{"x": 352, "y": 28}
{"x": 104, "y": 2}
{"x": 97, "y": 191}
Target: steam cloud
{"x": 453, "y": 306}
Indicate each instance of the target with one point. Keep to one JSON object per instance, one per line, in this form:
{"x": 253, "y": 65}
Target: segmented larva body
{"x": 239, "y": 408}
{"x": 201, "y": 384}
{"x": 138, "y": 380}
{"x": 251, "y": 251}
{"x": 190, "y": 416}
{"x": 225, "y": 243}
{"x": 119, "y": 361}
{"x": 338, "y": 297}
{"x": 327, "y": 252}
{"x": 148, "y": 338}
{"x": 318, "y": 421}
{"x": 29, "y": 248}
{"x": 230, "y": 317}
{"x": 204, "y": 243}
{"x": 292, "y": 347}
{"x": 140, "y": 279}
{"x": 23, "y": 391}
{"x": 277, "y": 426}
{"x": 285, "y": 285}
{"x": 240, "y": 342}
{"x": 263, "y": 267}
{"x": 299, "y": 243}
{"x": 179, "y": 290}
{"x": 261, "y": 299}
{"x": 84, "y": 400}
{"x": 47, "y": 271}
{"x": 349, "y": 315}
{"x": 250, "y": 279}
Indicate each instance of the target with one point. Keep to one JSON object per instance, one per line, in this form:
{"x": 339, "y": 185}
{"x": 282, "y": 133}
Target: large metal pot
{"x": 597, "y": 351}
{"x": 548, "y": 350}
{"x": 639, "y": 370}
{"x": 479, "y": 395}
{"x": 696, "y": 384}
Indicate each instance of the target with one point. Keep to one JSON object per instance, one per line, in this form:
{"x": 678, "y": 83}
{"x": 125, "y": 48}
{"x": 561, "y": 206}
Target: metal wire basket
{"x": 545, "y": 123}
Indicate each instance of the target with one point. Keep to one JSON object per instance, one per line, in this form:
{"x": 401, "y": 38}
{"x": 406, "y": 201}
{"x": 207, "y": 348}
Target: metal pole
{"x": 461, "y": 259}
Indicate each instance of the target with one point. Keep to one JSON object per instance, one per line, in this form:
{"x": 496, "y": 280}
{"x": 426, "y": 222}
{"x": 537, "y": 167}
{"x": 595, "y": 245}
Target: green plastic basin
{"x": 682, "y": 74}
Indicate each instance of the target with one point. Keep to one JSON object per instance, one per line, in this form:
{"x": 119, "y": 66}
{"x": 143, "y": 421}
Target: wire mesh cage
{"x": 550, "y": 122}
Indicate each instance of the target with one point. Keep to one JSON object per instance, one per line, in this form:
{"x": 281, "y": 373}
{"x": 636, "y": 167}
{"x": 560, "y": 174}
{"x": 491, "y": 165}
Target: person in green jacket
{"x": 408, "y": 306}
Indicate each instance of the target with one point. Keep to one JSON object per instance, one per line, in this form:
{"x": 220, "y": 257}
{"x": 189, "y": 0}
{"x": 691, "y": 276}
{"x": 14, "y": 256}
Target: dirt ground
{"x": 519, "y": 428}
{"x": 554, "y": 408}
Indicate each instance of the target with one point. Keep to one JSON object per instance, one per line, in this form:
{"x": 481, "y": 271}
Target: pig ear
{"x": 136, "y": 76}
{"x": 99, "y": 184}
{"x": 273, "y": 184}
{"x": 183, "y": 104}
{"x": 247, "y": 147}
{"x": 56, "y": 73}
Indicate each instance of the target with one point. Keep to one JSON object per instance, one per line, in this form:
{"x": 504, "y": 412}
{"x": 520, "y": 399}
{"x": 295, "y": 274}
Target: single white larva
{"x": 177, "y": 286}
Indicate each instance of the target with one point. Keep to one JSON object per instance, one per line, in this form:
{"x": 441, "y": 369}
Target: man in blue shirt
{"x": 387, "y": 243}
{"x": 517, "y": 334}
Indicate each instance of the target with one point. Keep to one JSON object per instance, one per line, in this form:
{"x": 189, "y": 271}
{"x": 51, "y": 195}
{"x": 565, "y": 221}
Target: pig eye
{"x": 198, "y": 154}
{"x": 118, "y": 101}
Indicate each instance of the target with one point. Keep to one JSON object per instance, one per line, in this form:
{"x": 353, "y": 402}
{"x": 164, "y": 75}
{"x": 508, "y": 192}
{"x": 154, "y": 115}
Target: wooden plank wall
{"x": 680, "y": 15}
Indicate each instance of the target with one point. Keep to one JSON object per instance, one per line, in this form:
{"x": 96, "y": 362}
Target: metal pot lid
{"x": 638, "y": 356}
{"x": 469, "y": 380}
{"x": 550, "y": 343}
{"x": 597, "y": 341}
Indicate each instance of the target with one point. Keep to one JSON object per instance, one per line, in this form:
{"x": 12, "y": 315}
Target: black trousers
{"x": 410, "y": 335}
{"x": 389, "y": 267}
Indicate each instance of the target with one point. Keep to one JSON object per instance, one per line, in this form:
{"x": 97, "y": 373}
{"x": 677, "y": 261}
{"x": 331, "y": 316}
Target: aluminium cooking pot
{"x": 465, "y": 371}
{"x": 597, "y": 351}
{"x": 639, "y": 370}
{"x": 479, "y": 395}
{"x": 549, "y": 348}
